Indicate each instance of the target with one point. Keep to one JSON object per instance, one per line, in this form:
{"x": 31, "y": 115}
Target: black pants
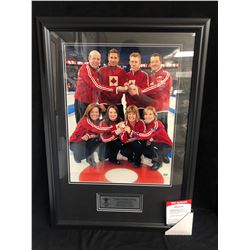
{"x": 120, "y": 110}
{"x": 156, "y": 151}
{"x": 81, "y": 150}
{"x": 141, "y": 113}
{"x": 163, "y": 117}
{"x": 133, "y": 151}
{"x": 80, "y": 108}
{"x": 109, "y": 150}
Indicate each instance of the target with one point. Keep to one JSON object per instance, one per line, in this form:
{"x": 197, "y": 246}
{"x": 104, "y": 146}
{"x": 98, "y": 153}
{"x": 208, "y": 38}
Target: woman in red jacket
{"x": 85, "y": 139}
{"x": 158, "y": 142}
{"x": 133, "y": 147}
{"x": 111, "y": 141}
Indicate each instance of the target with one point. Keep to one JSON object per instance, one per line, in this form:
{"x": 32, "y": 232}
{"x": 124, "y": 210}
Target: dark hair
{"x": 106, "y": 117}
{"x": 89, "y": 109}
{"x": 114, "y": 51}
{"x": 135, "y": 54}
{"x": 158, "y": 55}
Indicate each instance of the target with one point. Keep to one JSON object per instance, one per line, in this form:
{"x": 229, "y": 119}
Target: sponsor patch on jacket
{"x": 159, "y": 77}
{"x": 153, "y": 129}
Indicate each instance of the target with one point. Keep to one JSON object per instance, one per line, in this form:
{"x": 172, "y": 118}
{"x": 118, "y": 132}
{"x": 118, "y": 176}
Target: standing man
{"x": 112, "y": 75}
{"x": 158, "y": 92}
{"x": 88, "y": 85}
{"x": 138, "y": 79}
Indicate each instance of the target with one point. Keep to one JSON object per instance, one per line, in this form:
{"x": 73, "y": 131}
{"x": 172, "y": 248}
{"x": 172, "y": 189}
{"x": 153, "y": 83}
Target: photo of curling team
{"x": 121, "y": 113}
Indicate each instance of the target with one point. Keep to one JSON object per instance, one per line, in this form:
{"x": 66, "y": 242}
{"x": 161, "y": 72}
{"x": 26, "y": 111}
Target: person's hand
{"x": 118, "y": 131}
{"x": 92, "y": 136}
{"x": 151, "y": 139}
{"x": 85, "y": 138}
{"x": 122, "y": 89}
{"x": 120, "y": 125}
{"x": 127, "y": 129}
{"x": 133, "y": 90}
{"x": 102, "y": 107}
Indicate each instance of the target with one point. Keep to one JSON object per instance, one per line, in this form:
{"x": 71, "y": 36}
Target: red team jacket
{"x": 158, "y": 90}
{"x": 108, "y": 136}
{"x": 87, "y": 127}
{"x": 88, "y": 85}
{"x": 139, "y": 128}
{"x": 155, "y": 130}
{"x": 141, "y": 80}
{"x": 111, "y": 77}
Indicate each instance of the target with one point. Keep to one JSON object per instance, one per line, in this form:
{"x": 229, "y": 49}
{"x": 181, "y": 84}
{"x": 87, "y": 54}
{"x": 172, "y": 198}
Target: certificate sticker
{"x": 177, "y": 210}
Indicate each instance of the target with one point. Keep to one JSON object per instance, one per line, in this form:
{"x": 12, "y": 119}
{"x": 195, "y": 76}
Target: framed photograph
{"x": 122, "y": 102}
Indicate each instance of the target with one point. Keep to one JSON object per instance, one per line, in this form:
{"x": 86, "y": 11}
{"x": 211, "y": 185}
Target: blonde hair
{"x": 132, "y": 109}
{"x": 150, "y": 108}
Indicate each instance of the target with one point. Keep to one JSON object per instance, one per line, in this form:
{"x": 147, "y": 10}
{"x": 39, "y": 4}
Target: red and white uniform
{"x": 158, "y": 90}
{"x": 108, "y": 136}
{"x": 87, "y": 127}
{"x": 141, "y": 80}
{"x": 139, "y": 127}
{"x": 155, "y": 130}
{"x": 111, "y": 77}
{"x": 88, "y": 85}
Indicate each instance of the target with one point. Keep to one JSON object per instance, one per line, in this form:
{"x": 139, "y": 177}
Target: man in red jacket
{"x": 112, "y": 75}
{"x": 88, "y": 85}
{"x": 137, "y": 78}
{"x": 158, "y": 92}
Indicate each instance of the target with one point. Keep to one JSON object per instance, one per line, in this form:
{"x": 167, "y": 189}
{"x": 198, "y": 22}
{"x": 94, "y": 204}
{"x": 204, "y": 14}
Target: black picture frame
{"x": 76, "y": 204}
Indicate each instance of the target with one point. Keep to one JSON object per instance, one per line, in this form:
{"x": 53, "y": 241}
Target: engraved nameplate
{"x": 119, "y": 202}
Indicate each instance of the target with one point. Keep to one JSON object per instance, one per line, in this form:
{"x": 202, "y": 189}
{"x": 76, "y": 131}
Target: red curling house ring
{"x": 98, "y": 173}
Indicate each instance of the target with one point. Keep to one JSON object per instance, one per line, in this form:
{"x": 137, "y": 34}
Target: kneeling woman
{"x": 85, "y": 139}
{"x": 111, "y": 141}
{"x": 133, "y": 147}
{"x": 158, "y": 142}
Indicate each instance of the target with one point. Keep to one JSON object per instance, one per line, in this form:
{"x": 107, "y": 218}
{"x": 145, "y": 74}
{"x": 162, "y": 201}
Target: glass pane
{"x": 149, "y": 151}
